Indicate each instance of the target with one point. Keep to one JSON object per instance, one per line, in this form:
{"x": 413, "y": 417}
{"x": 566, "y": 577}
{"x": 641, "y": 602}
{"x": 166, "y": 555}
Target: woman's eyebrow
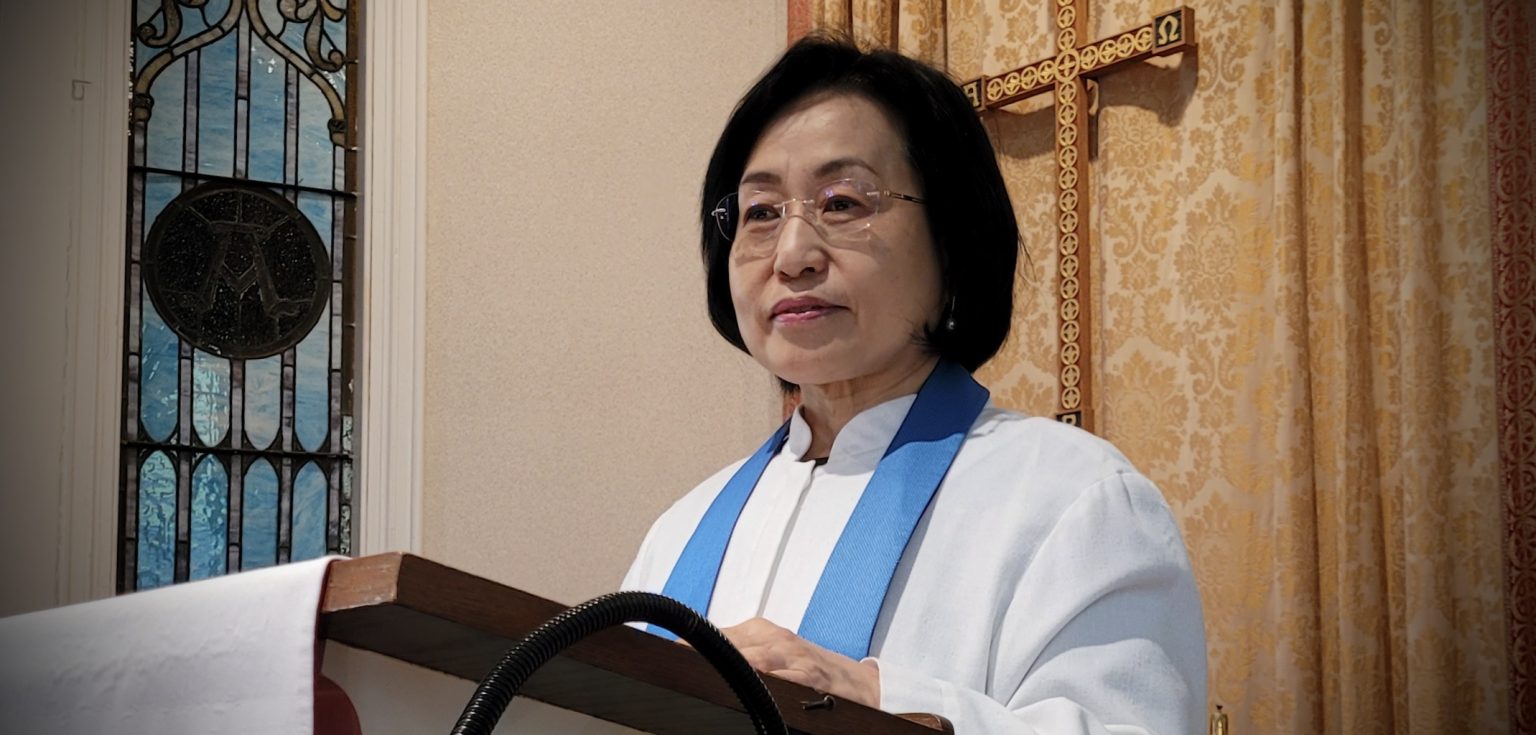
{"x": 834, "y": 166}
{"x": 838, "y": 165}
{"x": 760, "y": 177}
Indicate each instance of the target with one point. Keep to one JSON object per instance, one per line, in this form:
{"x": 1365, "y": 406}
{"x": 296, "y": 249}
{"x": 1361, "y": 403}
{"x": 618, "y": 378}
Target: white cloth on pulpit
{"x": 233, "y": 654}
{"x": 1046, "y": 590}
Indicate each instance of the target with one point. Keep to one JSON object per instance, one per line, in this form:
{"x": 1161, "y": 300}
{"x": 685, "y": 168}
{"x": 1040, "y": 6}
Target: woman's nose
{"x": 801, "y": 248}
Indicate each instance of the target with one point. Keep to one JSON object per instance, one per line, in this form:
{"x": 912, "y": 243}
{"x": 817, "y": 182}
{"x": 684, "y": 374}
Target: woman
{"x": 901, "y": 542}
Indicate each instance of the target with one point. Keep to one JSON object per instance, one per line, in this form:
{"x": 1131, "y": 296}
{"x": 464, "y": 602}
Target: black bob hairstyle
{"x": 970, "y": 216}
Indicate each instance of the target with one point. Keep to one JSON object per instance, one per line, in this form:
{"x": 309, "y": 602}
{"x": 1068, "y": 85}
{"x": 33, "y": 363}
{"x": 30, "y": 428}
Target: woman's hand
{"x": 780, "y": 652}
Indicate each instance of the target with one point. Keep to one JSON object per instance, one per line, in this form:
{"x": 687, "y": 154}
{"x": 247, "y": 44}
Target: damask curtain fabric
{"x": 1294, "y": 329}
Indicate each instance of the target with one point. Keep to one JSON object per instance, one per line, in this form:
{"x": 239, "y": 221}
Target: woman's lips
{"x": 803, "y": 316}
{"x": 801, "y": 310}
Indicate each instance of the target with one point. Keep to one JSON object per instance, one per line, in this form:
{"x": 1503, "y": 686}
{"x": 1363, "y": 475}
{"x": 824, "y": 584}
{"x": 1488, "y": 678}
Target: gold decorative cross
{"x": 1068, "y": 73}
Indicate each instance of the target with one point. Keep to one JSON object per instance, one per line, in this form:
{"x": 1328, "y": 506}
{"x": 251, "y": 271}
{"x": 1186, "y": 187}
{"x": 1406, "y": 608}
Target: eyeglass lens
{"x": 839, "y": 209}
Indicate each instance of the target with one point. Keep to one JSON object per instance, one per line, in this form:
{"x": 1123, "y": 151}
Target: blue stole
{"x": 846, "y": 603}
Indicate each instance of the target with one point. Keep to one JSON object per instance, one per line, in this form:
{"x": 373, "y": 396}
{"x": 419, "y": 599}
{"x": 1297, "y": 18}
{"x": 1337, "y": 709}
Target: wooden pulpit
{"x": 408, "y": 608}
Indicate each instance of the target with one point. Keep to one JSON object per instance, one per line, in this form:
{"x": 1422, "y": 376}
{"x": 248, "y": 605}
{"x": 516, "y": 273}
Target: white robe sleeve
{"x": 1103, "y": 633}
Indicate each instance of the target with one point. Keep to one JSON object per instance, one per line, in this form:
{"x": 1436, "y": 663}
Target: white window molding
{"x": 89, "y": 452}
{"x": 387, "y": 496}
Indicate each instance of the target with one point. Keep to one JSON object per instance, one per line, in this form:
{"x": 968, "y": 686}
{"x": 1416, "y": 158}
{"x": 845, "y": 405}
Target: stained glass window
{"x": 239, "y": 338}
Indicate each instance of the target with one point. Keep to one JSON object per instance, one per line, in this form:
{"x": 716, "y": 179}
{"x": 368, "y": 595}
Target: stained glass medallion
{"x": 239, "y": 337}
{"x": 236, "y": 270}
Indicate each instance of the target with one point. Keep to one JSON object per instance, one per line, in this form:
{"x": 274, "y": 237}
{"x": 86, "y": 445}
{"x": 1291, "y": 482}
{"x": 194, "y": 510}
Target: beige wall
{"x": 574, "y": 387}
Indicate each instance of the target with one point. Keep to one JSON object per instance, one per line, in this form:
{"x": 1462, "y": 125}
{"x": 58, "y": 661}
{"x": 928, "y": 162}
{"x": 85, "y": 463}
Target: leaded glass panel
{"x": 240, "y": 302}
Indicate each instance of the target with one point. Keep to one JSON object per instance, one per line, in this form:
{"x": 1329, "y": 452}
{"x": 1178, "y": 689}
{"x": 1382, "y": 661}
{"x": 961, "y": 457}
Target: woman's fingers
{"x": 778, "y": 651}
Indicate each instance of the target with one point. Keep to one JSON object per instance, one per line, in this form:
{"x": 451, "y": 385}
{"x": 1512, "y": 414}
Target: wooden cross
{"x": 1067, "y": 73}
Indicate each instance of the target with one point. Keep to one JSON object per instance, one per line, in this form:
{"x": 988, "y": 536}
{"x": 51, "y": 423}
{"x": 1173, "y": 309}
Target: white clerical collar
{"x": 865, "y": 437}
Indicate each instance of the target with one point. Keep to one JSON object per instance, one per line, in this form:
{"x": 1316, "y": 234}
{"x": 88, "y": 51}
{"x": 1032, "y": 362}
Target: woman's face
{"x": 815, "y": 310}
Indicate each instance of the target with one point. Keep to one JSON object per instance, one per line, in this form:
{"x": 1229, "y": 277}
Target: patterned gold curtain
{"x": 1294, "y": 330}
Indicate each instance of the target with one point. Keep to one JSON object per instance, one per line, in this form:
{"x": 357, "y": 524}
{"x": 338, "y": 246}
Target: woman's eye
{"x": 844, "y": 208}
{"x": 759, "y": 213}
{"x": 839, "y": 204}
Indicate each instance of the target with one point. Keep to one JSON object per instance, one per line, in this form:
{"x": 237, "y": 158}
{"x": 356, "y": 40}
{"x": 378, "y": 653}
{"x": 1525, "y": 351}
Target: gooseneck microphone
{"x": 496, "y": 691}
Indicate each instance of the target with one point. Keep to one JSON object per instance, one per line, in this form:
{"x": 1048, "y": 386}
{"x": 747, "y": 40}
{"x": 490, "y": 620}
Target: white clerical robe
{"x": 1046, "y": 590}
